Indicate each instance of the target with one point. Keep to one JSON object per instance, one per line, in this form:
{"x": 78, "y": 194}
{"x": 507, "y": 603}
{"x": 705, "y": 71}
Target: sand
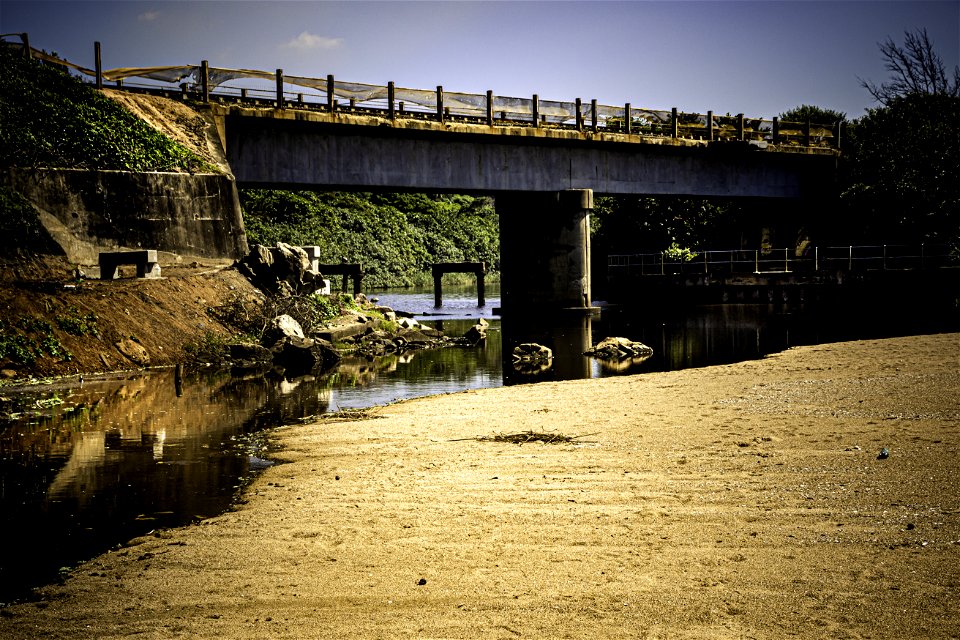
{"x": 738, "y": 501}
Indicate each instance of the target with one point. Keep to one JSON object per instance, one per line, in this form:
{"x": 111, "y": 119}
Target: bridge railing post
{"x": 627, "y": 119}
{"x": 593, "y": 115}
{"x": 806, "y": 133}
{"x": 710, "y": 126}
{"x": 279, "y": 88}
{"x": 205, "y": 80}
{"x": 331, "y": 93}
{"x": 391, "y": 97}
{"x": 440, "y": 114}
{"x": 535, "y": 107}
{"x": 579, "y": 118}
{"x": 740, "y": 132}
{"x": 489, "y": 108}
{"x": 98, "y": 64}
{"x": 674, "y": 124}
{"x": 775, "y": 131}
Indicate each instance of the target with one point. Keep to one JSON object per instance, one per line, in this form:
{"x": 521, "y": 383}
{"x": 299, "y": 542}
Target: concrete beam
{"x": 289, "y": 153}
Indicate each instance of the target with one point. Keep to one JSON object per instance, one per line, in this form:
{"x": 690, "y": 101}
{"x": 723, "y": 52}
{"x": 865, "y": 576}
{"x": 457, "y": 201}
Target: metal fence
{"x": 778, "y": 261}
{"x": 275, "y": 89}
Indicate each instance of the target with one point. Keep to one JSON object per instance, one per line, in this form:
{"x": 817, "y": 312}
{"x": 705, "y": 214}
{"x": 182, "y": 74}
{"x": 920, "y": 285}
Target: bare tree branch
{"x": 915, "y": 67}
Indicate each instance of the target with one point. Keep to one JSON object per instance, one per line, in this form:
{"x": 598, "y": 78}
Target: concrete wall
{"x": 278, "y": 151}
{"x": 191, "y": 216}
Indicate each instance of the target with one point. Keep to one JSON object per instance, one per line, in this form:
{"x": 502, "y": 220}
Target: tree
{"x": 817, "y": 115}
{"x": 903, "y": 182}
{"x": 915, "y": 68}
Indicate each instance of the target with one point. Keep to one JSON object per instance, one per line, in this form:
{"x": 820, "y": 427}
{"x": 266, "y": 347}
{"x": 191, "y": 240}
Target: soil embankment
{"x": 745, "y": 500}
{"x": 162, "y": 316}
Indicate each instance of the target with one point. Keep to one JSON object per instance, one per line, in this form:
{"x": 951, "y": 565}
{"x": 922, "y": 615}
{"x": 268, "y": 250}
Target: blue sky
{"x": 759, "y": 58}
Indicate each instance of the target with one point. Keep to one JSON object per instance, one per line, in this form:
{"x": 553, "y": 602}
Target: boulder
{"x": 244, "y": 354}
{"x": 283, "y": 270}
{"x": 532, "y": 358}
{"x": 619, "y": 349}
{"x": 415, "y": 338}
{"x": 531, "y": 352}
{"x": 134, "y": 351}
{"x": 408, "y": 323}
{"x": 303, "y": 355}
{"x": 282, "y": 326}
{"x": 290, "y": 263}
{"x": 477, "y": 334}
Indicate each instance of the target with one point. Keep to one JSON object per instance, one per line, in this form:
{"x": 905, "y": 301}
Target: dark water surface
{"x": 87, "y": 466}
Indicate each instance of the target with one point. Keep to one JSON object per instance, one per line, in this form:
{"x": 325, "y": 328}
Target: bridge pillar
{"x": 545, "y": 250}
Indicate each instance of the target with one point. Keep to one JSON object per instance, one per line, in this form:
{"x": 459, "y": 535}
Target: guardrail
{"x": 204, "y": 83}
{"x": 781, "y": 261}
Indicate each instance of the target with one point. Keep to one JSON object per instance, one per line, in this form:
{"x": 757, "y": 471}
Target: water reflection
{"x": 93, "y": 464}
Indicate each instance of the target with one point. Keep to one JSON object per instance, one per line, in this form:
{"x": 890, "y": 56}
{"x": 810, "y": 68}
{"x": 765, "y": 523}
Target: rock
{"x": 408, "y": 323}
{"x": 619, "y": 349}
{"x": 415, "y": 338}
{"x": 283, "y": 326}
{"x": 477, "y": 334}
{"x": 289, "y": 262}
{"x": 8, "y": 373}
{"x": 134, "y": 351}
{"x": 531, "y": 352}
{"x": 303, "y": 355}
{"x": 532, "y": 358}
{"x": 283, "y": 270}
{"x": 246, "y": 354}
{"x": 430, "y": 332}
{"x": 884, "y": 454}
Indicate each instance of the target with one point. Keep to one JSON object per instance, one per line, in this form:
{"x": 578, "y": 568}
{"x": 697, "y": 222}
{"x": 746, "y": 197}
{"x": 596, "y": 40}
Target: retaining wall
{"x": 181, "y": 215}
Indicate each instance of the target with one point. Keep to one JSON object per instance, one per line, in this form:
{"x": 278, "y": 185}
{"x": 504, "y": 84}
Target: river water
{"x": 86, "y": 466}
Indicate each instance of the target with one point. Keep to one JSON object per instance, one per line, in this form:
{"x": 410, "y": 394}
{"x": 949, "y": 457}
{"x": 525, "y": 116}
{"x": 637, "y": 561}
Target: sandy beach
{"x": 742, "y": 501}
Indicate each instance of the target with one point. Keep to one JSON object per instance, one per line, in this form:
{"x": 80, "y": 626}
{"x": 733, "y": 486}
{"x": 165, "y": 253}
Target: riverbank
{"x": 745, "y": 500}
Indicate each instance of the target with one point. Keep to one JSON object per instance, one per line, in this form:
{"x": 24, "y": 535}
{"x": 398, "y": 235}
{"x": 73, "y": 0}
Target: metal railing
{"x": 781, "y": 261}
{"x": 275, "y": 89}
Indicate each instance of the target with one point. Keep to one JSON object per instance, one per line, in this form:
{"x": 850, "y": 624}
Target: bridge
{"x": 541, "y": 159}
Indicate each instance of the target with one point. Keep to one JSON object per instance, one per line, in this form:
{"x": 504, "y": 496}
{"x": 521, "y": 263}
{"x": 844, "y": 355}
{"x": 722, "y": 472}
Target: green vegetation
{"x": 211, "y": 347}
{"x": 78, "y": 324}
{"x": 26, "y": 339}
{"x": 395, "y": 236}
{"x": 51, "y": 119}
{"x": 902, "y": 181}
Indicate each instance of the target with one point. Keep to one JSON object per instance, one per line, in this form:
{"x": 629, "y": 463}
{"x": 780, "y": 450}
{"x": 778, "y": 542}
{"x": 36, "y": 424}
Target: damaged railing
{"x": 205, "y": 83}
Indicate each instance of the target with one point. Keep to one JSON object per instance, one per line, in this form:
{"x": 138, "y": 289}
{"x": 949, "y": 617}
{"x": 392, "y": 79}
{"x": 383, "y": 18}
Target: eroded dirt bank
{"x": 740, "y": 501}
{"x": 162, "y": 317}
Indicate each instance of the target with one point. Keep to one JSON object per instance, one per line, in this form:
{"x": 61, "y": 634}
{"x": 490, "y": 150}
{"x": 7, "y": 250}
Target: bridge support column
{"x": 545, "y": 250}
